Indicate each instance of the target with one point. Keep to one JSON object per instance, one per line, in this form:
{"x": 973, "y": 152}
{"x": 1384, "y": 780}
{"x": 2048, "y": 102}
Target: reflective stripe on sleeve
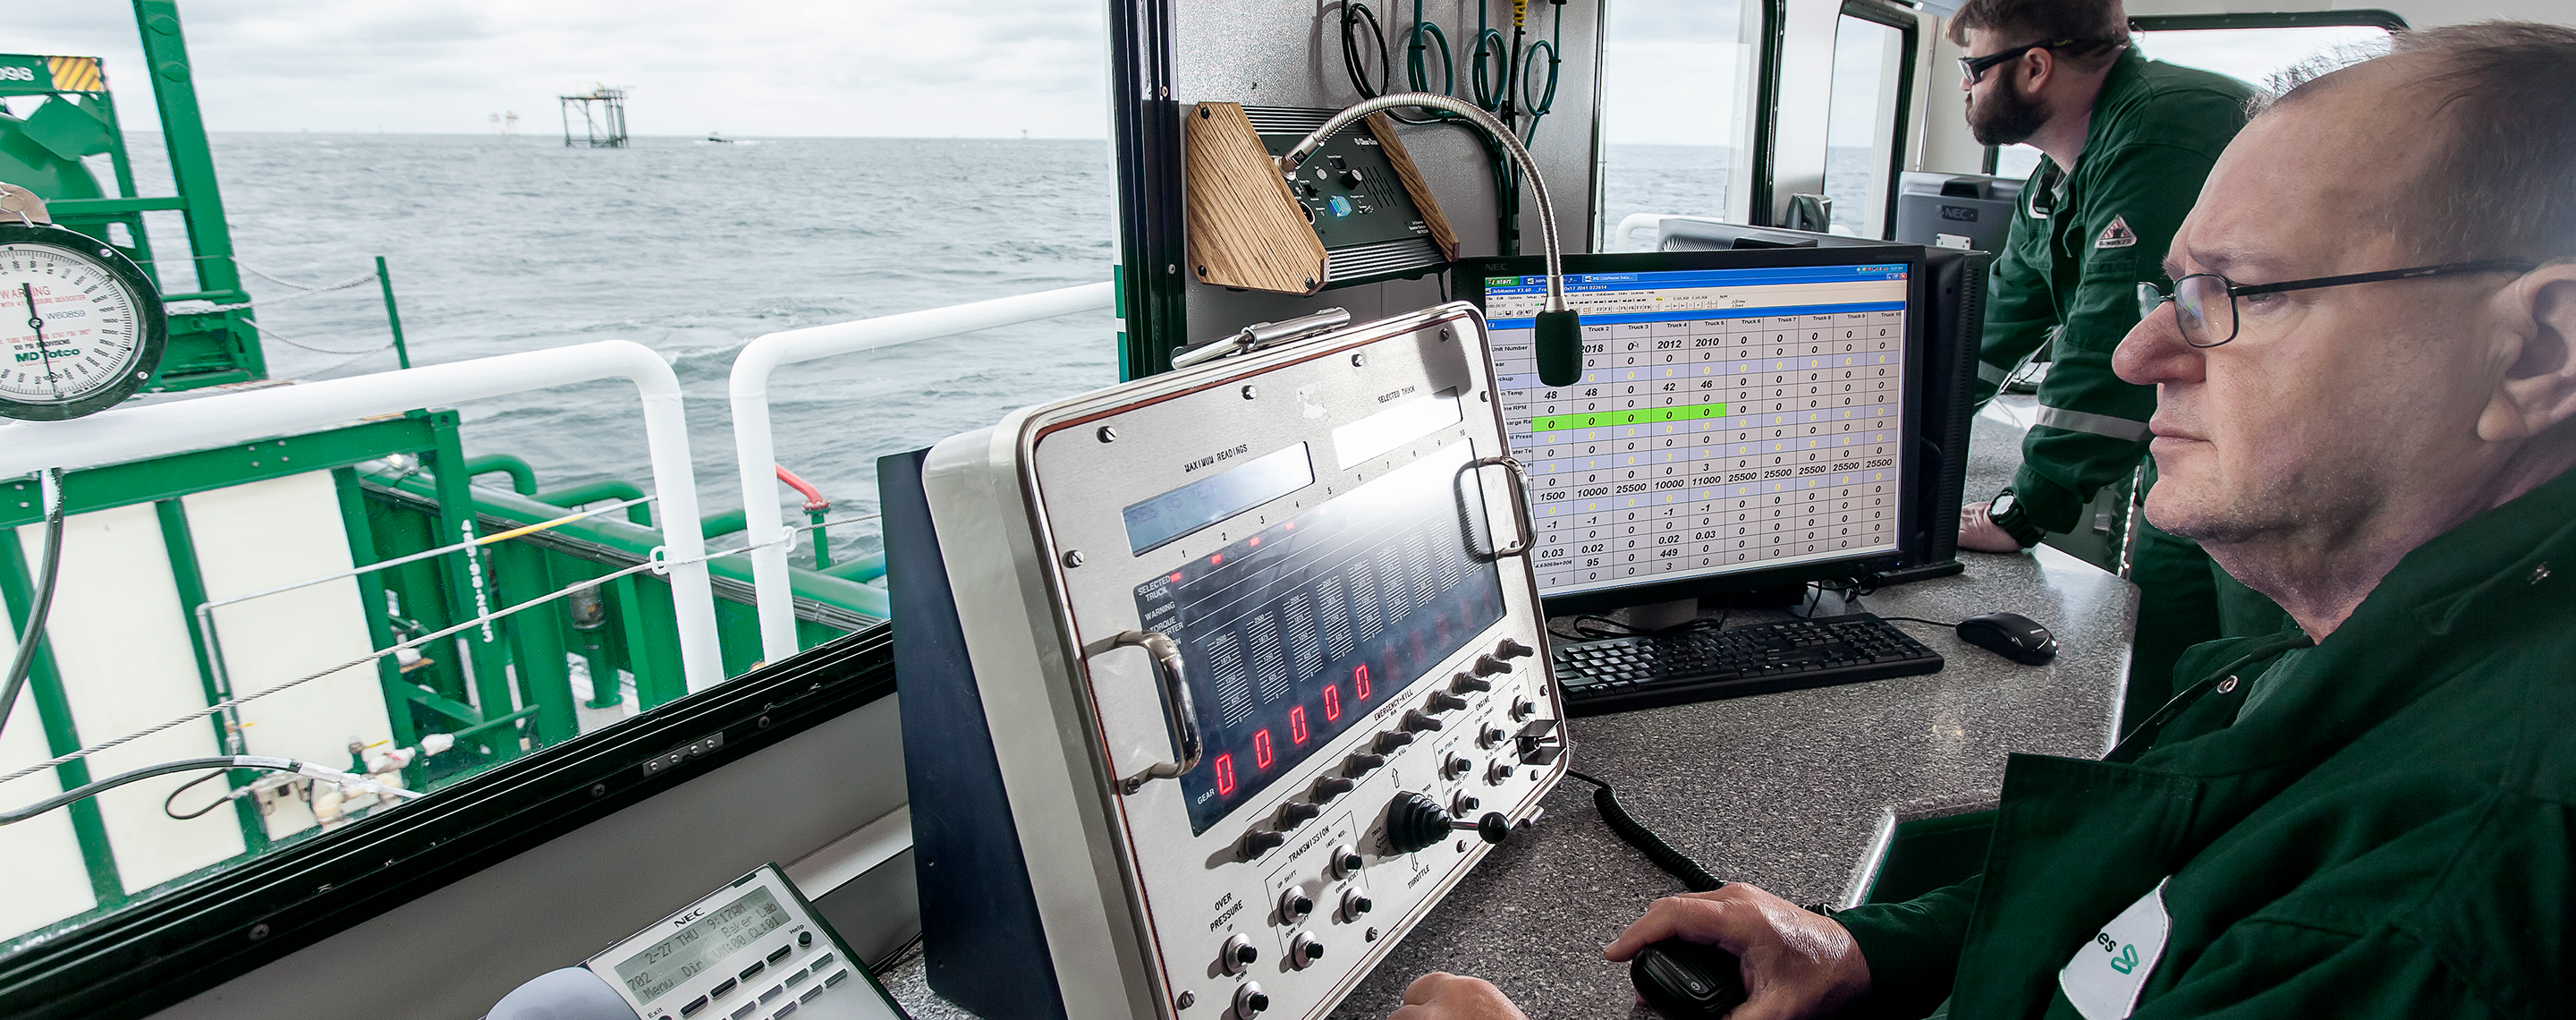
{"x": 1993, "y": 375}
{"x": 2097, "y": 424}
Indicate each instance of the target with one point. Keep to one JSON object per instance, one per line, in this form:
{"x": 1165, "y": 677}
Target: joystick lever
{"x": 1414, "y": 822}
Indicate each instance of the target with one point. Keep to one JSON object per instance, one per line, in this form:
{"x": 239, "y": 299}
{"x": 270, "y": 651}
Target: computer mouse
{"x": 1686, "y": 980}
{"x": 2010, "y": 635}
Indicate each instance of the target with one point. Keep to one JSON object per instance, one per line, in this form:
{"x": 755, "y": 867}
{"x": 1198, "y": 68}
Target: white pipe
{"x": 756, "y": 453}
{"x": 1624, "y": 236}
{"x": 137, "y": 433}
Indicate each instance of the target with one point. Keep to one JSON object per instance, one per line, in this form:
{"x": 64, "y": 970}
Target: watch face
{"x": 80, "y": 328}
{"x": 2002, "y": 505}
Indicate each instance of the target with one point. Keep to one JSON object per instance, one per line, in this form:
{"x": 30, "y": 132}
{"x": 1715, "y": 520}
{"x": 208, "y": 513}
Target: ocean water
{"x": 503, "y": 244}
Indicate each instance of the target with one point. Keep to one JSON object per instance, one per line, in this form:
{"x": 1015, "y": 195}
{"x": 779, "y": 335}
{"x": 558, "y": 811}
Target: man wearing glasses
{"x": 2128, "y": 142}
{"x": 2366, "y": 409}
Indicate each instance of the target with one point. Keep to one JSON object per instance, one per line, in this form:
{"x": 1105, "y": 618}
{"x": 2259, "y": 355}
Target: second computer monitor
{"x": 1745, "y": 418}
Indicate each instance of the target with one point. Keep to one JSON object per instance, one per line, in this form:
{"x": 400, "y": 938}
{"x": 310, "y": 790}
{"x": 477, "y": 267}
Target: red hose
{"x": 814, "y": 501}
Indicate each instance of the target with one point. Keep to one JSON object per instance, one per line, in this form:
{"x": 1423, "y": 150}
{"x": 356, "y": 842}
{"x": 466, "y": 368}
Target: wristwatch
{"x": 2006, "y": 512}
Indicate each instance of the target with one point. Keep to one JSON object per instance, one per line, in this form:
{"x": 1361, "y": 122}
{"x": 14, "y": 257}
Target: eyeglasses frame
{"x": 1974, "y": 68}
{"x": 2151, "y": 297}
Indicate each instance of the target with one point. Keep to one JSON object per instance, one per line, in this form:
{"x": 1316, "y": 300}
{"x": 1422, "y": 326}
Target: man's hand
{"x": 1450, "y": 997}
{"x": 1978, "y": 532}
{"x": 1796, "y": 964}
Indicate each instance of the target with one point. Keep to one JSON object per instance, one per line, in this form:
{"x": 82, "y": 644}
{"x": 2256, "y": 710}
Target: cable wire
{"x": 239, "y": 761}
{"x": 51, "y": 486}
{"x": 1673, "y": 862}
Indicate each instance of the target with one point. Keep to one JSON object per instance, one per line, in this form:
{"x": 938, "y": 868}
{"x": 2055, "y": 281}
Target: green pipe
{"x": 822, "y": 544}
{"x": 593, "y": 492}
{"x": 725, "y": 523}
{"x": 523, "y": 479}
{"x": 864, "y": 569}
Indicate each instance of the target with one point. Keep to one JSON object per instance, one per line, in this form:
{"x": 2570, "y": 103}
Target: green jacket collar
{"x": 2476, "y": 582}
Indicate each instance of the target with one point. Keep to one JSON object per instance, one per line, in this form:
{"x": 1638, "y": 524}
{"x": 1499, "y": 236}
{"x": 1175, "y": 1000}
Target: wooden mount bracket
{"x": 1246, "y": 230}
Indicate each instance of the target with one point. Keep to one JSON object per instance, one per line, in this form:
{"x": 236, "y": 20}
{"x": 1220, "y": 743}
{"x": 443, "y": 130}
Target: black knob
{"x": 1295, "y": 905}
{"x": 1251, "y": 1000}
{"x": 1260, "y": 841}
{"x": 1511, "y": 649}
{"x": 1305, "y": 950}
{"x": 1295, "y": 813}
{"x": 1390, "y": 740}
{"x": 1463, "y": 803}
{"x": 1347, "y": 862}
{"x": 1416, "y": 722}
{"x": 1491, "y": 736}
{"x": 1244, "y": 954}
{"x": 1363, "y": 764}
{"x": 1502, "y": 770}
{"x": 1493, "y": 828}
{"x": 1354, "y": 904}
{"x": 804, "y": 938}
{"x": 1468, "y": 682}
{"x": 1414, "y": 821}
{"x": 1487, "y": 665}
{"x": 1442, "y": 701}
{"x": 1330, "y": 787}
{"x": 1455, "y": 767}
{"x": 1523, "y": 709}
{"x": 1351, "y": 178}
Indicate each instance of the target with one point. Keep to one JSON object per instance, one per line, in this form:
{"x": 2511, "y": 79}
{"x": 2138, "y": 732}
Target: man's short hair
{"x": 2016, "y": 22}
{"x": 2503, "y": 183}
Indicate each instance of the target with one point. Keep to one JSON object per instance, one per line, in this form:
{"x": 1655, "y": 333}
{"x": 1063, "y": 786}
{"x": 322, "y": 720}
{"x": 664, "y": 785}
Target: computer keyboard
{"x": 1703, "y": 665}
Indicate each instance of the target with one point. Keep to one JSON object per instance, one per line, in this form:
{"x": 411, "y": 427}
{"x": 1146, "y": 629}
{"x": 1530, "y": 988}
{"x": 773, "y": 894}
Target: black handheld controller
{"x": 1686, "y": 980}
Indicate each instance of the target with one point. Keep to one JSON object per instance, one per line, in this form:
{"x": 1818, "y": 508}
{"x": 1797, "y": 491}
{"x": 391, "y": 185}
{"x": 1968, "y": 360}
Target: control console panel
{"x": 1214, "y": 683}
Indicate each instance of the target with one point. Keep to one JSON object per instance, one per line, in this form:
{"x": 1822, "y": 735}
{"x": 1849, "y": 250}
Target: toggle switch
{"x": 1260, "y": 841}
{"x": 1416, "y": 722}
{"x": 1295, "y": 813}
{"x": 1487, "y": 665}
{"x": 1469, "y": 683}
{"x": 1510, "y": 649}
{"x": 1442, "y": 701}
{"x": 1362, "y": 764}
{"x": 1389, "y": 741}
{"x": 1330, "y": 787}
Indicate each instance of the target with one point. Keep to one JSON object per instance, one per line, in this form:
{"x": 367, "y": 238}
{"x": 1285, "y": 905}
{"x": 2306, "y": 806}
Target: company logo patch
{"x": 2117, "y": 235}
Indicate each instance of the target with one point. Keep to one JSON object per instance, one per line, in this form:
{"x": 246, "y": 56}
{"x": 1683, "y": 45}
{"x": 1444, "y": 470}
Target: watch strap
{"x": 2014, "y": 521}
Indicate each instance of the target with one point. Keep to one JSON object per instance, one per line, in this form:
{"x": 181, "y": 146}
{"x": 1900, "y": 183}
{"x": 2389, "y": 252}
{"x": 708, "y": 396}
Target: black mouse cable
{"x": 1635, "y": 834}
{"x": 1918, "y": 619}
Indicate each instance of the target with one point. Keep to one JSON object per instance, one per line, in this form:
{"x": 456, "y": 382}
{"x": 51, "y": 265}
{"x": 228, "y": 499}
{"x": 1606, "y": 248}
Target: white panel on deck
{"x": 264, "y": 535}
{"x": 120, "y": 639}
{"x": 47, "y": 879}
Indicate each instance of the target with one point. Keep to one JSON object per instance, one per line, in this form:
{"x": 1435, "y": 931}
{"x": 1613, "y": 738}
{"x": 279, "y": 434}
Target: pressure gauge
{"x": 81, "y": 328}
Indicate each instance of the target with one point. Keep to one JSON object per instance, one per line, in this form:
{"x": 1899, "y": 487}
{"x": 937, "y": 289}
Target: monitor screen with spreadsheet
{"x": 1744, "y": 418}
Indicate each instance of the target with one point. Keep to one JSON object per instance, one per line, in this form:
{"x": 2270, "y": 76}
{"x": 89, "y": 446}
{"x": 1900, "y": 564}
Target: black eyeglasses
{"x": 2205, "y": 302}
{"x": 1974, "y": 68}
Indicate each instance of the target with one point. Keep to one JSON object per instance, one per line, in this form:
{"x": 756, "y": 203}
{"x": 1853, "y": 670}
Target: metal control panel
{"x": 1252, "y": 650}
{"x": 753, "y": 950}
{"x": 1352, "y": 191}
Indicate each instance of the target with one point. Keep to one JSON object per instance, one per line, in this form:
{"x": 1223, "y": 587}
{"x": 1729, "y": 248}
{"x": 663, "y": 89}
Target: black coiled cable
{"x": 1672, "y": 861}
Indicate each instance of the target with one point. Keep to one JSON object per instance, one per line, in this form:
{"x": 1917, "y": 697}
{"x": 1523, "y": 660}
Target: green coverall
{"x": 2383, "y": 825}
{"x": 2080, "y": 244}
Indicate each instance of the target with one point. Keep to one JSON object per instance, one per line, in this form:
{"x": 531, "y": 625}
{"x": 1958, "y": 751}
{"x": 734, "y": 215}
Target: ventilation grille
{"x": 1360, "y": 262}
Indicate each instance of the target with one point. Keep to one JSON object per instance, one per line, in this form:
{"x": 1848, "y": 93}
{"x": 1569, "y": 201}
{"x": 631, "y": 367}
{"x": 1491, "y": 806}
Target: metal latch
{"x": 1260, "y": 335}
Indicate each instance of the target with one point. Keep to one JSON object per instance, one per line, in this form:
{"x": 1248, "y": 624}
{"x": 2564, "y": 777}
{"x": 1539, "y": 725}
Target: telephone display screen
{"x": 1291, "y": 636}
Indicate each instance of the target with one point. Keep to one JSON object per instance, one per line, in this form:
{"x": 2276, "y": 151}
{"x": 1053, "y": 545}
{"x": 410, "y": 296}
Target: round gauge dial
{"x": 81, "y": 328}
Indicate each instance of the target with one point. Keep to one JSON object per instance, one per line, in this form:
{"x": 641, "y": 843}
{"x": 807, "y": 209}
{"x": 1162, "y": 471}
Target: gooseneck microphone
{"x": 1559, "y": 332}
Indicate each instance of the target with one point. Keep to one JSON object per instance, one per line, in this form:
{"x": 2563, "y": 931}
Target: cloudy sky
{"x": 748, "y": 67}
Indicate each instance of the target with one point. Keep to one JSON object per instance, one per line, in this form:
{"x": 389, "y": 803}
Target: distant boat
{"x": 712, "y": 137}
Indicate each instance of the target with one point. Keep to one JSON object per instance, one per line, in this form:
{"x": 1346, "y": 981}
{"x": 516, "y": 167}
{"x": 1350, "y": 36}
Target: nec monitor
{"x": 1746, "y": 419}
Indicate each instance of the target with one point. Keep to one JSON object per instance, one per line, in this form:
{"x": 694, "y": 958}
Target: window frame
{"x": 1909, "y": 28}
{"x": 157, "y": 952}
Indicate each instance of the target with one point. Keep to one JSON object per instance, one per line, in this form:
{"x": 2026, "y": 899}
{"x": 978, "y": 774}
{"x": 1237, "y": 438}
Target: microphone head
{"x": 1559, "y": 343}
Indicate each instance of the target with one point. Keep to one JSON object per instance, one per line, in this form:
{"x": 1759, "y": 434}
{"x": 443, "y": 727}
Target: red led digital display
{"x": 1359, "y": 680}
{"x": 1224, "y": 775}
{"x": 1332, "y": 702}
{"x": 1261, "y": 748}
{"x": 1297, "y": 725}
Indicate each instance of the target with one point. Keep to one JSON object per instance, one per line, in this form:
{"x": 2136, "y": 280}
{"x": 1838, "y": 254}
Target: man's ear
{"x": 2036, "y": 68}
{"x": 2538, "y": 390}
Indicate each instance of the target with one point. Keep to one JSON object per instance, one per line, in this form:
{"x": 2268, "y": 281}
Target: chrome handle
{"x": 1179, "y": 711}
{"x": 1520, "y": 505}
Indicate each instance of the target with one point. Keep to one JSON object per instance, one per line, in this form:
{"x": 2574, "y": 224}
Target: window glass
{"x": 1860, "y": 130}
{"x": 1677, "y": 94}
{"x": 2251, "y": 55}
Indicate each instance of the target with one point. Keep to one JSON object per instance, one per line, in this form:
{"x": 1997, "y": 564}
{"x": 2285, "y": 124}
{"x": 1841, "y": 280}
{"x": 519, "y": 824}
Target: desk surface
{"x": 1785, "y": 791}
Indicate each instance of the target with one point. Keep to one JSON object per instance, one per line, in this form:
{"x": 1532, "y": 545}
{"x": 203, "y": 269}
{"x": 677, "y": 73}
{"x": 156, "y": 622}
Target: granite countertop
{"x": 1786, "y": 791}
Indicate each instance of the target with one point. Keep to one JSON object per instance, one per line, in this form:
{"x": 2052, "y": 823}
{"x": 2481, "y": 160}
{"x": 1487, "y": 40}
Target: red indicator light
{"x": 1225, "y": 775}
{"x": 1261, "y": 748}
{"x": 1176, "y": 577}
{"x": 1297, "y": 725}
{"x": 1216, "y": 559}
{"x": 1256, "y": 541}
{"x": 1359, "y": 679}
{"x": 1332, "y": 702}
{"x": 1292, "y": 525}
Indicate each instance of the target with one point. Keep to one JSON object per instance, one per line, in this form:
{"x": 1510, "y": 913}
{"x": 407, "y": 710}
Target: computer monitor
{"x": 1746, "y": 419}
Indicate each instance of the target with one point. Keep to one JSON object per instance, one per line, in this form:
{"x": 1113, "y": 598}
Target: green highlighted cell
{"x": 1614, "y": 419}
